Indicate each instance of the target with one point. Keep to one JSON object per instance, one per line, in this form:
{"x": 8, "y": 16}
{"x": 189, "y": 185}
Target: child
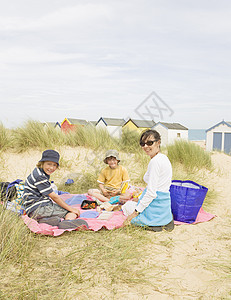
{"x": 38, "y": 196}
{"x": 110, "y": 179}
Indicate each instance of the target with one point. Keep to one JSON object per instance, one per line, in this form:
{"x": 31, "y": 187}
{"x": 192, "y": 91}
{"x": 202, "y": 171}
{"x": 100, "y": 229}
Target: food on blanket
{"x": 138, "y": 191}
{"x": 105, "y": 215}
{"x": 98, "y": 209}
{"x": 89, "y": 206}
{"x": 107, "y": 206}
{"x": 124, "y": 187}
{"x": 116, "y": 207}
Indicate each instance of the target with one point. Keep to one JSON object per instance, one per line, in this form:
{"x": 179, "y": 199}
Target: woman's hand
{"x": 129, "y": 218}
{"x": 123, "y": 201}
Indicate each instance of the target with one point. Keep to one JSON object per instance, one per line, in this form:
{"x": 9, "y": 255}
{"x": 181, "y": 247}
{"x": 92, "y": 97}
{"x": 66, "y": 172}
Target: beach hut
{"x": 218, "y": 137}
{"x": 170, "y": 132}
{"x": 138, "y": 125}
{"x": 56, "y": 125}
{"x": 69, "y": 124}
{"x": 92, "y": 123}
{"x": 112, "y": 125}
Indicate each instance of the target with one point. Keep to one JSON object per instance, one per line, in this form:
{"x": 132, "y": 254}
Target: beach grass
{"x": 16, "y": 240}
{"x": 77, "y": 263}
{"x": 89, "y": 137}
{"x": 129, "y": 141}
{"x": 33, "y": 135}
{"x": 5, "y": 138}
{"x": 190, "y": 155}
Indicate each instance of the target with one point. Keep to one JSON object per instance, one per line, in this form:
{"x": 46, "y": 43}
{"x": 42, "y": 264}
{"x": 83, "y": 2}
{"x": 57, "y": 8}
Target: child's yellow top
{"x": 113, "y": 177}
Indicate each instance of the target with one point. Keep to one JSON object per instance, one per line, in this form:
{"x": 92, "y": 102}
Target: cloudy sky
{"x": 169, "y": 60}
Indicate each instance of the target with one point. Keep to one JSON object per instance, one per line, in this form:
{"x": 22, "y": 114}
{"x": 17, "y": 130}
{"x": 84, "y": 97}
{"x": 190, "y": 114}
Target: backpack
{"x": 8, "y": 190}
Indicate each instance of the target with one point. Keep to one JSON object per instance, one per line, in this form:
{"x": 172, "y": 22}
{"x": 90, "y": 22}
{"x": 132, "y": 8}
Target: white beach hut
{"x": 114, "y": 126}
{"x": 170, "y": 132}
{"x": 218, "y": 137}
{"x": 56, "y": 125}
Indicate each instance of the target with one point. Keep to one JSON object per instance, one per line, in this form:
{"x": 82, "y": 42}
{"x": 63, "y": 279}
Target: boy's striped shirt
{"x": 36, "y": 190}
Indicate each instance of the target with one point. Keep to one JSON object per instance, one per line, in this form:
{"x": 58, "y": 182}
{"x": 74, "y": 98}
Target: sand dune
{"x": 196, "y": 257}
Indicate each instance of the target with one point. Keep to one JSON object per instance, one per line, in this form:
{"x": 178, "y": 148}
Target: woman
{"x": 154, "y": 206}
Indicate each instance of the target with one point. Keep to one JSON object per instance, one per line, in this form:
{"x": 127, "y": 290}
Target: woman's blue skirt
{"x": 157, "y": 213}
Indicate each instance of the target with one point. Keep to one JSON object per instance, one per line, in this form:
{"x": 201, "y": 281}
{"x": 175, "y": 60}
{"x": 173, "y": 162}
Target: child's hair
{"x": 41, "y": 163}
{"x": 106, "y": 159}
{"x": 49, "y": 155}
{"x": 111, "y": 153}
{"x": 149, "y": 132}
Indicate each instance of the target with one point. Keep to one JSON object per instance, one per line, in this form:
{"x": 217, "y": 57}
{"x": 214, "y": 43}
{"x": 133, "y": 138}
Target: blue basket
{"x": 187, "y": 198}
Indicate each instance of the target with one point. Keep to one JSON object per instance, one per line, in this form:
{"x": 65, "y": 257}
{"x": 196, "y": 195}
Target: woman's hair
{"x": 149, "y": 132}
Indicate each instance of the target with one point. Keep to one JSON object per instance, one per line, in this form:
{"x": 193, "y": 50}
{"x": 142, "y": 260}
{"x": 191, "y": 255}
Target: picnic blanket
{"x": 115, "y": 219}
{"x": 202, "y": 216}
{"x": 112, "y": 220}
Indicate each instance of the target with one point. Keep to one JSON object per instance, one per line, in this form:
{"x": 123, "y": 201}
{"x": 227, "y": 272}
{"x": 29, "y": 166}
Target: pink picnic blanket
{"x": 202, "y": 216}
{"x": 115, "y": 221}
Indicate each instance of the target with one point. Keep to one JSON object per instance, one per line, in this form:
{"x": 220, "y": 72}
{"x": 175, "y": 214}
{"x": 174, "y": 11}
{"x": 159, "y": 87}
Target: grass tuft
{"x": 5, "y": 138}
{"x": 77, "y": 263}
{"x": 189, "y": 154}
{"x": 16, "y": 240}
{"x": 35, "y": 135}
{"x": 129, "y": 141}
{"x": 90, "y": 137}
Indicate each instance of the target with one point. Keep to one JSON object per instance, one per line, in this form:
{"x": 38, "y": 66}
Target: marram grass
{"x": 129, "y": 141}
{"x": 5, "y": 138}
{"x": 76, "y": 264}
{"x": 35, "y": 135}
{"x": 89, "y": 137}
{"x": 190, "y": 155}
{"x": 16, "y": 241}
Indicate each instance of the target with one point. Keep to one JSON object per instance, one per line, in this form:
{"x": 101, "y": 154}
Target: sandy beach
{"x": 192, "y": 262}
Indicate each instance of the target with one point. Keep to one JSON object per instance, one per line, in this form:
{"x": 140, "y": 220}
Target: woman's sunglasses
{"x": 148, "y": 143}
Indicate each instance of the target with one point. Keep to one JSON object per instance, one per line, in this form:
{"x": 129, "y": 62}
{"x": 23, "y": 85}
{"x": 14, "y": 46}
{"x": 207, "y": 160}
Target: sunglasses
{"x": 148, "y": 143}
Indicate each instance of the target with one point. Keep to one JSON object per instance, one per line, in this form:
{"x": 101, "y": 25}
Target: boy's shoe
{"x": 114, "y": 200}
{"x": 69, "y": 224}
{"x": 54, "y": 221}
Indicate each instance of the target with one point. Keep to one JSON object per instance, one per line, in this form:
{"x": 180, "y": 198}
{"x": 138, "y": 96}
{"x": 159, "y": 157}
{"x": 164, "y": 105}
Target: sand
{"x": 196, "y": 258}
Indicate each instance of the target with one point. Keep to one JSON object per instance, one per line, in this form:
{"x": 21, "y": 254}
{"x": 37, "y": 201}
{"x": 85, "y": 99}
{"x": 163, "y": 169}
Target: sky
{"x": 166, "y": 60}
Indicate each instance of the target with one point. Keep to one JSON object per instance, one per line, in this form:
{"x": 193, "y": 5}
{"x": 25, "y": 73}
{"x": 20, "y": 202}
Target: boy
{"x": 110, "y": 179}
{"x": 38, "y": 196}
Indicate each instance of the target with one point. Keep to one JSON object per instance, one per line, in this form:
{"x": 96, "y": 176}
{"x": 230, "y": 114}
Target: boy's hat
{"x": 50, "y": 155}
{"x": 112, "y": 153}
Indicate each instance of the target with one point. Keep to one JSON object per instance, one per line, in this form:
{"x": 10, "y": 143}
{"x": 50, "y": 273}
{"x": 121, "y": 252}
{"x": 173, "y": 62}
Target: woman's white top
{"x": 158, "y": 178}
